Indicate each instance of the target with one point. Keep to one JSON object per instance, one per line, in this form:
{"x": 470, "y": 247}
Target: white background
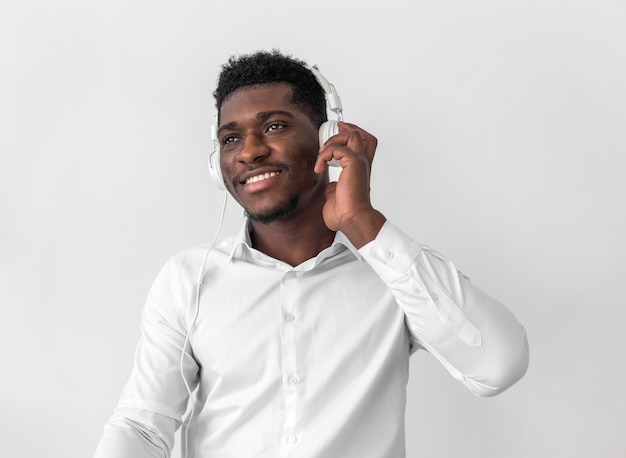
{"x": 502, "y": 145}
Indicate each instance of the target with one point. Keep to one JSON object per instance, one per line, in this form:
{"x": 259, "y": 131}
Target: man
{"x": 297, "y": 337}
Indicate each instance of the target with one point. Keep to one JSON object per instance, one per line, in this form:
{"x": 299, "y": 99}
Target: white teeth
{"x": 263, "y": 176}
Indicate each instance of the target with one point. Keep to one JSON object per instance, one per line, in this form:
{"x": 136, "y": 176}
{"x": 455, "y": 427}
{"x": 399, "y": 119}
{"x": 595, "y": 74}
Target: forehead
{"x": 255, "y": 99}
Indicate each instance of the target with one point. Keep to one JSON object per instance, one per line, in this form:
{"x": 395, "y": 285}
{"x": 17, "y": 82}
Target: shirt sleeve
{"x": 155, "y": 397}
{"x": 478, "y": 340}
{"x": 137, "y": 434}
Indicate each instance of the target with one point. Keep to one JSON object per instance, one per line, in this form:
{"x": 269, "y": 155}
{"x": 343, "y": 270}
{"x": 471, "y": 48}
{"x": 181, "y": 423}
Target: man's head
{"x": 270, "y": 107}
{"x": 264, "y": 67}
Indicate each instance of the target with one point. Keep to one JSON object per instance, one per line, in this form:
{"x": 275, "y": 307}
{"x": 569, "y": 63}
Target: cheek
{"x": 309, "y": 156}
{"x": 226, "y": 166}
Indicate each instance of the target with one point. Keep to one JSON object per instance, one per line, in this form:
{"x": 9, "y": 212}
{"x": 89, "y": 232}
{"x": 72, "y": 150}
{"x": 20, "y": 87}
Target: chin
{"x": 274, "y": 214}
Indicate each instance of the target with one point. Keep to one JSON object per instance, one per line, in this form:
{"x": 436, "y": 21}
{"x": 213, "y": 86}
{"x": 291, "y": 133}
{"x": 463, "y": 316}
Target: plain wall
{"x": 502, "y": 145}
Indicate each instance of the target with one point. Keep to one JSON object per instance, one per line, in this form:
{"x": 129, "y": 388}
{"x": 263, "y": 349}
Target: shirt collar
{"x": 242, "y": 246}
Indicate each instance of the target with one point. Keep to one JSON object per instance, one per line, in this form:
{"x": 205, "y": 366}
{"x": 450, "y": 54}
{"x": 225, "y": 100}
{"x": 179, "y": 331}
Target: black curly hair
{"x": 267, "y": 67}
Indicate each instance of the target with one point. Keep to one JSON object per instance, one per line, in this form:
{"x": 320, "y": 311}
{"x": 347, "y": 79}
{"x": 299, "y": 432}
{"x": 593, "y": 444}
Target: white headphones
{"x": 327, "y": 129}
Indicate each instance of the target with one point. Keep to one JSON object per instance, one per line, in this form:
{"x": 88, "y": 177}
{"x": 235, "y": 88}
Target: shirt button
{"x": 389, "y": 255}
{"x": 289, "y": 317}
{"x": 434, "y": 296}
{"x": 292, "y": 439}
{"x": 293, "y": 380}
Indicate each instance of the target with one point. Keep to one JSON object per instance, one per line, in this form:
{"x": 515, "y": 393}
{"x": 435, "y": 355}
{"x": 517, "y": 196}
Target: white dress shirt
{"x": 306, "y": 361}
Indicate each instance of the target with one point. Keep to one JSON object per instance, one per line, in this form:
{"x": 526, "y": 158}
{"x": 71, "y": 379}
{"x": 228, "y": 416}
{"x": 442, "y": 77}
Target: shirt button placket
{"x": 289, "y": 356}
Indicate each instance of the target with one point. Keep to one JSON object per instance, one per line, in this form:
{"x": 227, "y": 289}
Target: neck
{"x": 292, "y": 240}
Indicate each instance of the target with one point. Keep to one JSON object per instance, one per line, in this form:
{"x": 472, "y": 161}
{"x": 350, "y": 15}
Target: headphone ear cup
{"x": 327, "y": 130}
{"x": 215, "y": 170}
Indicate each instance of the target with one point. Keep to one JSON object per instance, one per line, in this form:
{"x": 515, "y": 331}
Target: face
{"x": 268, "y": 149}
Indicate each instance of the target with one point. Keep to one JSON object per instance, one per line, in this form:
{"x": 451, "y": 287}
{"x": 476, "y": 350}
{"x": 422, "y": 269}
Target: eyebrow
{"x": 261, "y": 116}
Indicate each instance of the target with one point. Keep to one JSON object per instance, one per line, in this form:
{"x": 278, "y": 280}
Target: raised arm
{"x": 478, "y": 340}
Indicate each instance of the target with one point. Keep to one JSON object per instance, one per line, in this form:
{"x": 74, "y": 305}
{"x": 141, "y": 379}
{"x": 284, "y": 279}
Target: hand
{"x": 348, "y": 207}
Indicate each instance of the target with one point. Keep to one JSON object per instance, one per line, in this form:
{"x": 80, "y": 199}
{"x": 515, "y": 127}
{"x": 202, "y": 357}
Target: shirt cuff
{"x": 391, "y": 253}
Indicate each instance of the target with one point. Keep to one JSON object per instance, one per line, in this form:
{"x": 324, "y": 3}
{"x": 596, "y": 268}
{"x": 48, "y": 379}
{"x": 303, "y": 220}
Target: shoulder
{"x": 178, "y": 277}
{"x": 188, "y": 263}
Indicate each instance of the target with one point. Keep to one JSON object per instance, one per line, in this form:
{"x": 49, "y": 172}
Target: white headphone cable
{"x": 186, "y": 422}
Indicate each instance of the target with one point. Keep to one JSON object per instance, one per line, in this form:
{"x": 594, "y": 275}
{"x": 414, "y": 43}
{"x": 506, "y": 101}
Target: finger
{"x": 368, "y": 140}
{"x": 351, "y": 139}
{"x": 326, "y": 155}
{"x": 321, "y": 161}
{"x": 356, "y": 142}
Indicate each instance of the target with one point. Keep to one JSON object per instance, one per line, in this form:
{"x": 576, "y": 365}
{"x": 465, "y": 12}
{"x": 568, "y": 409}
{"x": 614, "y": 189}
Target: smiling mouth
{"x": 261, "y": 177}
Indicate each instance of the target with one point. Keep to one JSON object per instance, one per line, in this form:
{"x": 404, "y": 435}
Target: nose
{"x": 253, "y": 149}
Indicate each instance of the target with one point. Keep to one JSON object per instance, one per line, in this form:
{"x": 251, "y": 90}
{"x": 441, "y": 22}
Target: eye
{"x": 228, "y": 139}
{"x": 274, "y": 126}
